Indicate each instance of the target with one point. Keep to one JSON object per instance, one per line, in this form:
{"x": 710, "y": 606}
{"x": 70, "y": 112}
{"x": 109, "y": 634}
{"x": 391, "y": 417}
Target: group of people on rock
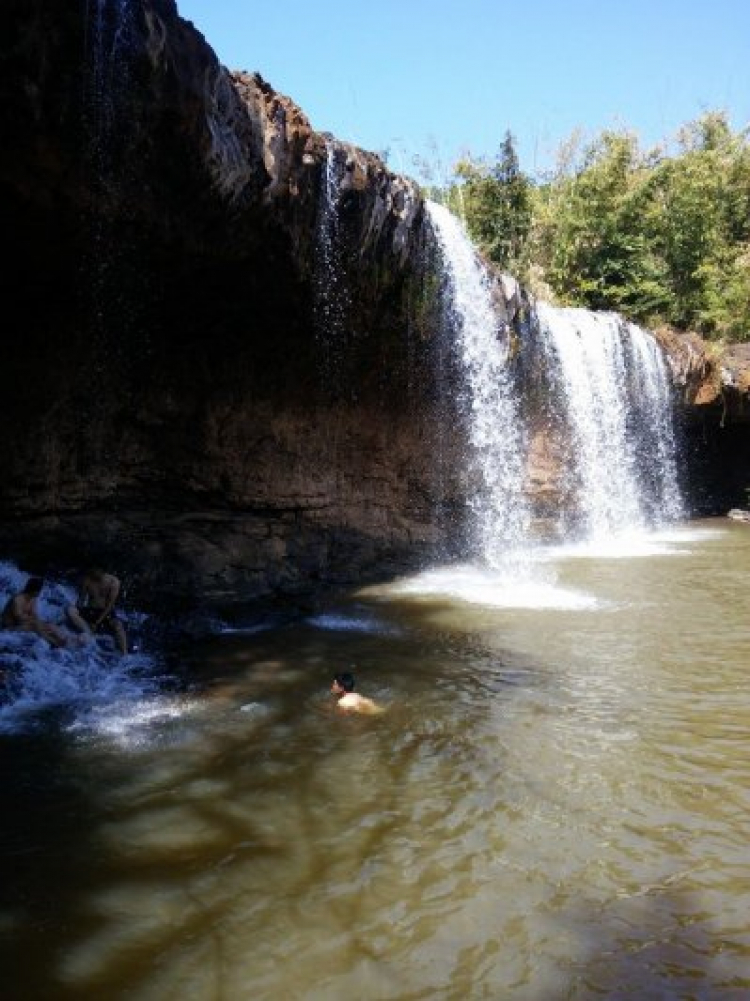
{"x": 94, "y": 611}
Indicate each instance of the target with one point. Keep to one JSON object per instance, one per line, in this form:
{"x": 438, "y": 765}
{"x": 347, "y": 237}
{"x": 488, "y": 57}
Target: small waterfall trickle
{"x": 331, "y": 293}
{"x": 111, "y": 24}
{"x": 501, "y": 517}
{"x": 612, "y": 382}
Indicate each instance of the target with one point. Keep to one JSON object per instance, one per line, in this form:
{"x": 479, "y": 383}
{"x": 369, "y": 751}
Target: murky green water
{"x": 555, "y": 805}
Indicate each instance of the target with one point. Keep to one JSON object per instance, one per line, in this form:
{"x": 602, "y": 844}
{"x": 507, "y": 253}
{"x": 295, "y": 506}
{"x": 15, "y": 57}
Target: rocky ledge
{"x": 712, "y": 377}
{"x": 223, "y": 371}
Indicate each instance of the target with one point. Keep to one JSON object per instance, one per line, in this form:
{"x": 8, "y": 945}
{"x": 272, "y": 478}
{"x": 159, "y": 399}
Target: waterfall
{"x": 497, "y": 440}
{"x": 609, "y": 402}
{"x": 331, "y": 293}
{"x": 614, "y": 392}
{"x": 111, "y": 25}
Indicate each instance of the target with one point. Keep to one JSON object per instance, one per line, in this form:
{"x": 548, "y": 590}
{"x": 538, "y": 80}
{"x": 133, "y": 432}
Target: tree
{"x": 497, "y": 201}
{"x": 660, "y": 237}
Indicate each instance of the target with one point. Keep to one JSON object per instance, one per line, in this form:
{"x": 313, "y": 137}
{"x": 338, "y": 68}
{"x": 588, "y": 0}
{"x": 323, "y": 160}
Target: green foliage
{"x": 661, "y": 238}
{"x": 496, "y": 203}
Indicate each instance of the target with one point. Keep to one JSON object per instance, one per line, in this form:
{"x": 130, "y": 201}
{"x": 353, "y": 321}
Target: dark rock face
{"x": 208, "y": 382}
{"x": 712, "y": 384}
{"x": 169, "y": 404}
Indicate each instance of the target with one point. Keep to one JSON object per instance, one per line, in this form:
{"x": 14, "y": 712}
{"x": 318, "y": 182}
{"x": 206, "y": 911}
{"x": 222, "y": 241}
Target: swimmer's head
{"x": 343, "y": 682}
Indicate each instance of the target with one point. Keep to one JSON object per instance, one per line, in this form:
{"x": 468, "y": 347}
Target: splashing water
{"x": 500, "y": 513}
{"x": 614, "y": 388}
{"x": 84, "y": 680}
{"x": 611, "y": 408}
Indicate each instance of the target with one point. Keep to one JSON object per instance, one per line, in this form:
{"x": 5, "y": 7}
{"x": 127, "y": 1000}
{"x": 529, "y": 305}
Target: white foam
{"x": 491, "y": 588}
{"x": 349, "y": 624}
{"x": 632, "y": 544}
{"x": 255, "y": 708}
{"x": 131, "y": 722}
{"x": 614, "y": 548}
{"x": 81, "y": 679}
{"x": 687, "y": 532}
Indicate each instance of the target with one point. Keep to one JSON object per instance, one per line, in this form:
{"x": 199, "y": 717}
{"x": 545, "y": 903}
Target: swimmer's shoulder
{"x": 354, "y": 702}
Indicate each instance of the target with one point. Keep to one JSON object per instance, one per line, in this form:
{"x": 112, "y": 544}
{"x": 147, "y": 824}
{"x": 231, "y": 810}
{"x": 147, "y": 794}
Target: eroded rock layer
{"x": 223, "y": 369}
{"x": 170, "y": 400}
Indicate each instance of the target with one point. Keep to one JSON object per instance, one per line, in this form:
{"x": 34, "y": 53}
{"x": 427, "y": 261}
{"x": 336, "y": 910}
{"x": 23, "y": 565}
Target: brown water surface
{"x": 555, "y": 805}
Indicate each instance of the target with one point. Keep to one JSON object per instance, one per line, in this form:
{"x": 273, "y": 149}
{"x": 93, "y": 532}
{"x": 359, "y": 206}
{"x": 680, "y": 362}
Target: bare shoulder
{"x": 353, "y": 702}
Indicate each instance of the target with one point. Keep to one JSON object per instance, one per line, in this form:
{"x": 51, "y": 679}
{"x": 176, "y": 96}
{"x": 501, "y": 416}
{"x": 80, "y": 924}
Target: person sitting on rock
{"x": 349, "y": 700}
{"x": 94, "y": 610}
{"x": 21, "y": 613}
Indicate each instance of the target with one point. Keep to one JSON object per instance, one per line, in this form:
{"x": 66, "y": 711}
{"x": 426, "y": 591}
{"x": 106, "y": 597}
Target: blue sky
{"x": 441, "y": 77}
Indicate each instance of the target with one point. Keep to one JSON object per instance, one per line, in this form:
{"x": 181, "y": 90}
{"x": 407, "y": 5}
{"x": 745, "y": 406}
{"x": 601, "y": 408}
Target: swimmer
{"x": 351, "y": 701}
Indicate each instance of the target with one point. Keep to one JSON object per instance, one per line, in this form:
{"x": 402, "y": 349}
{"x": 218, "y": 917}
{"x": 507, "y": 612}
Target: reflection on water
{"x": 554, "y": 805}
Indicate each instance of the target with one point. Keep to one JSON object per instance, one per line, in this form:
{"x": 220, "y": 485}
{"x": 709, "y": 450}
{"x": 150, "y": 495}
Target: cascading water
{"x": 110, "y": 47}
{"x": 111, "y": 26}
{"x": 656, "y": 447}
{"x": 331, "y": 295}
{"x": 612, "y": 381}
{"x": 501, "y": 515}
{"x": 609, "y": 406}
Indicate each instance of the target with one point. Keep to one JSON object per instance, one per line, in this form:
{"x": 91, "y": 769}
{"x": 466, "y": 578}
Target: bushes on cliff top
{"x": 662, "y": 238}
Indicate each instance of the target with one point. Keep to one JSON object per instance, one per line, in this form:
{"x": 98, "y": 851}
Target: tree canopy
{"x": 663, "y": 238}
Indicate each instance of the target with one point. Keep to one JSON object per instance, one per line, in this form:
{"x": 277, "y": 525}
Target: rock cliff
{"x": 223, "y": 371}
{"x": 170, "y": 402}
{"x": 714, "y": 385}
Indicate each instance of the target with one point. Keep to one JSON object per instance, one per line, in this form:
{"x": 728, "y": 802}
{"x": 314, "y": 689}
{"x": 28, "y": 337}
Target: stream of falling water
{"x": 331, "y": 292}
{"x": 553, "y": 805}
{"x": 111, "y": 25}
{"x": 614, "y": 409}
{"x": 611, "y": 404}
{"x": 500, "y": 513}
{"x": 613, "y": 383}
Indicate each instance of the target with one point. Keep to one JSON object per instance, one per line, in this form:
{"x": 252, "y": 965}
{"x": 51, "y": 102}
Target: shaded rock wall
{"x": 712, "y": 390}
{"x": 169, "y": 403}
{"x": 177, "y": 400}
